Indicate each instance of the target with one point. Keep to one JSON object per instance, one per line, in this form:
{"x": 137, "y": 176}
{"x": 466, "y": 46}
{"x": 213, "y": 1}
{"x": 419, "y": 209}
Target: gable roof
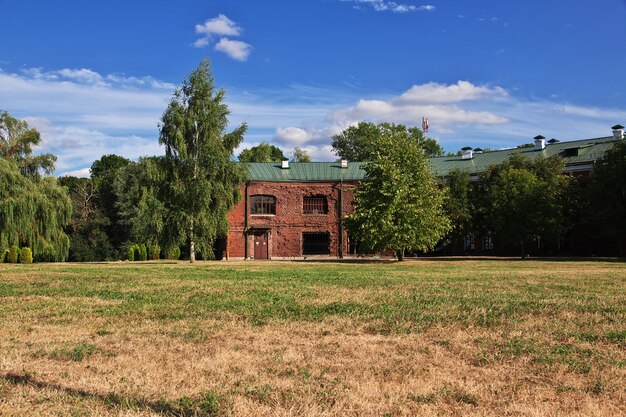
{"x": 577, "y": 154}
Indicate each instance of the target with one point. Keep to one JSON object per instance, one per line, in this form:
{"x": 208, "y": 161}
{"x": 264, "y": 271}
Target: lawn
{"x": 422, "y": 337}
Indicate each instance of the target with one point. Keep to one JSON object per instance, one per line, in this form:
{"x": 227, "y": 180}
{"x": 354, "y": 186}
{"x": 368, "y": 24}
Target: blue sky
{"x": 94, "y": 77}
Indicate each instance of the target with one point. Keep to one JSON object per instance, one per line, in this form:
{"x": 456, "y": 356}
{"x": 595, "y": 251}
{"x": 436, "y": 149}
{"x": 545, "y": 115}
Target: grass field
{"x": 426, "y": 337}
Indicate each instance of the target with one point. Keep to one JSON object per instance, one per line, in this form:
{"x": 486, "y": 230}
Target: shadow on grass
{"x": 207, "y": 406}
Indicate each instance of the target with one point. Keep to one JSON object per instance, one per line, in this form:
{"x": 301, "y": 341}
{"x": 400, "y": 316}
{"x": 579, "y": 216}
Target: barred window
{"x": 487, "y": 242}
{"x": 263, "y": 204}
{"x": 317, "y": 243}
{"x": 469, "y": 243}
{"x": 315, "y": 205}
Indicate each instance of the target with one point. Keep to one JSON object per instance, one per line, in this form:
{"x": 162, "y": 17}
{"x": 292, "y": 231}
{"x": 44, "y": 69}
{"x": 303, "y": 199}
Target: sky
{"x": 94, "y": 77}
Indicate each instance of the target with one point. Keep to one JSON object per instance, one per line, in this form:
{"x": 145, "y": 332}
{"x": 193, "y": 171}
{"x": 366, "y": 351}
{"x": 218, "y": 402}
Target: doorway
{"x": 261, "y": 245}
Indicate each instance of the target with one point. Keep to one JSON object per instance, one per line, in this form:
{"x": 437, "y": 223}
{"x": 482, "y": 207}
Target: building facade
{"x": 293, "y": 211}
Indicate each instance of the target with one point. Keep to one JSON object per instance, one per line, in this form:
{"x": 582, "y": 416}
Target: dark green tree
{"x": 521, "y": 200}
{"x": 459, "y": 204}
{"x": 399, "y": 206}
{"x": 263, "y": 152}
{"x": 16, "y": 143}
{"x": 608, "y": 194}
{"x": 357, "y": 143}
{"x": 204, "y": 181}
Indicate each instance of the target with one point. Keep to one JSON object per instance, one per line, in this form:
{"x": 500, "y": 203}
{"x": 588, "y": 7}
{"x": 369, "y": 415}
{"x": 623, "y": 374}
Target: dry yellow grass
{"x": 75, "y": 340}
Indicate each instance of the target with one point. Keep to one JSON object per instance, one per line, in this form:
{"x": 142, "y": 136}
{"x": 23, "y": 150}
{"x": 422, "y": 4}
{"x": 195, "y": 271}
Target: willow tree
{"x": 17, "y": 140}
{"x": 204, "y": 181}
{"x": 399, "y": 206}
{"x": 33, "y": 213}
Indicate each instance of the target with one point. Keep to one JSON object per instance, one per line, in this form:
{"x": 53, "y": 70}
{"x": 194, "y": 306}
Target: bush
{"x": 4, "y": 256}
{"x": 26, "y": 256}
{"x": 155, "y": 252}
{"x": 172, "y": 252}
{"x": 143, "y": 252}
{"x": 14, "y": 254}
{"x": 131, "y": 253}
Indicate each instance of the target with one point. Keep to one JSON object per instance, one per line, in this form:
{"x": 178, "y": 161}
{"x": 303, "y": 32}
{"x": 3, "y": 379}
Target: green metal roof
{"x": 575, "y": 153}
{"x": 305, "y": 171}
{"x": 578, "y": 152}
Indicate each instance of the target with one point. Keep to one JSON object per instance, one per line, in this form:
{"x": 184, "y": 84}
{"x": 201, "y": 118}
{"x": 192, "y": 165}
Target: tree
{"x": 458, "y": 204}
{"x": 104, "y": 172}
{"x": 357, "y": 143}
{"x": 16, "y": 143}
{"x": 263, "y": 152}
{"x": 204, "y": 181}
{"x": 520, "y": 200}
{"x": 608, "y": 193}
{"x": 33, "y": 212}
{"x": 300, "y": 155}
{"x": 399, "y": 205}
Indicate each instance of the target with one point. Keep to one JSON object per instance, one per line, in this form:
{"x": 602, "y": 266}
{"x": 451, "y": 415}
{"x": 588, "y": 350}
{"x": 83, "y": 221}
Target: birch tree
{"x": 204, "y": 182}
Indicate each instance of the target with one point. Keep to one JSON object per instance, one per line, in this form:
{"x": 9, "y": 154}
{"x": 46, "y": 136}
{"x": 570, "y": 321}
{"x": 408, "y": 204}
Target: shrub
{"x": 26, "y": 256}
{"x": 4, "y": 257}
{"x": 14, "y": 254}
{"x": 143, "y": 252}
{"x": 171, "y": 252}
{"x": 131, "y": 253}
{"x": 155, "y": 252}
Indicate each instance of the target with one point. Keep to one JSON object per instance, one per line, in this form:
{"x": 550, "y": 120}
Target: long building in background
{"x": 294, "y": 210}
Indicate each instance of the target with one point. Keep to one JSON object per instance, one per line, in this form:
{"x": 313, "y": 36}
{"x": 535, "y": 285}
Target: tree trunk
{"x": 192, "y": 247}
{"x": 523, "y": 251}
{"x": 400, "y": 255}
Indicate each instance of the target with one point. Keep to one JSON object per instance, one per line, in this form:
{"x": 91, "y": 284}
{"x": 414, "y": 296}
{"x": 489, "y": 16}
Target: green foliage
{"x": 357, "y": 143}
{"x": 17, "y": 141}
{"x": 131, "y": 253}
{"x": 300, "y": 155}
{"x": 33, "y": 213}
{"x": 522, "y": 199}
{"x": 14, "y": 253}
{"x": 458, "y": 203}
{"x": 88, "y": 226}
{"x": 140, "y": 190}
{"x": 204, "y": 182}
{"x": 608, "y": 193}
{"x": 154, "y": 252}
{"x": 172, "y": 252}
{"x": 263, "y": 152}
{"x": 143, "y": 252}
{"x": 26, "y": 256}
{"x": 5, "y": 256}
{"x": 399, "y": 206}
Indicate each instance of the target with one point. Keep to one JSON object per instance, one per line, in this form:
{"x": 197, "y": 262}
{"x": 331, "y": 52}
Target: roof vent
{"x": 540, "y": 142}
{"x": 618, "y": 132}
{"x": 467, "y": 154}
{"x": 478, "y": 150}
{"x": 344, "y": 163}
{"x": 285, "y": 164}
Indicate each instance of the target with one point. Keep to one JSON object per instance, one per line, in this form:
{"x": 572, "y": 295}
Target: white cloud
{"x": 391, "y": 6}
{"x": 81, "y": 173}
{"x": 220, "y": 25}
{"x": 223, "y": 26}
{"x": 237, "y": 50}
{"x": 439, "y": 93}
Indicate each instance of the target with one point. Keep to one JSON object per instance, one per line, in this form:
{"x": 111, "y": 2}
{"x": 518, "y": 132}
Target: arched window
{"x": 316, "y": 204}
{"x": 262, "y": 204}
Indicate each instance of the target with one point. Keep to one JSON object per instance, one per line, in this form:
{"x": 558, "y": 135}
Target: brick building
{"x": 293, "y": 210}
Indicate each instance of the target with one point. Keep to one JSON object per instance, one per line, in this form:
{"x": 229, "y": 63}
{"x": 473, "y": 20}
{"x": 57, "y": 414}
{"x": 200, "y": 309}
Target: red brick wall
{"x": 285, "y": 228}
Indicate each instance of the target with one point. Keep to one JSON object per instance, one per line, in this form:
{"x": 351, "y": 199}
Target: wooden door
{"x": 260, "y": 245}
